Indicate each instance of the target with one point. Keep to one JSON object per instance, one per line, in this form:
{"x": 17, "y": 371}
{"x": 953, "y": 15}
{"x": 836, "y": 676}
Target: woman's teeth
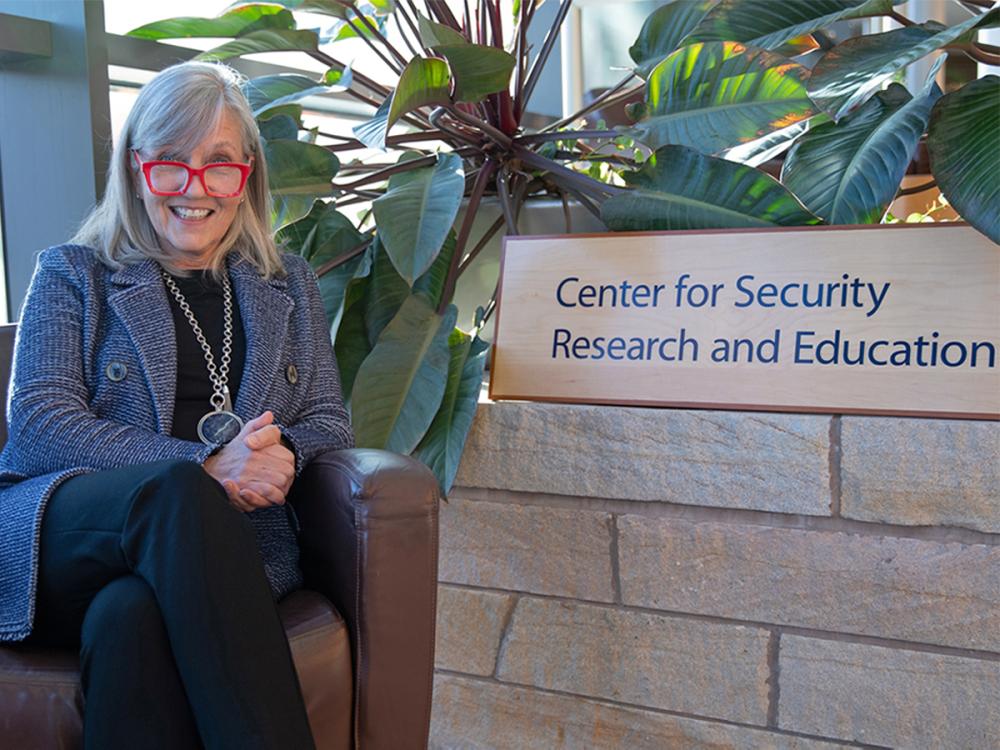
{"x": 191, "y": 213}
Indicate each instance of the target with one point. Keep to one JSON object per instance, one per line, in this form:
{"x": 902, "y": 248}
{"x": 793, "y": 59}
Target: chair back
{"x": 7, "y": 334}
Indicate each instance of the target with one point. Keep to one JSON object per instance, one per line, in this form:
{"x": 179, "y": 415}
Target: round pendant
{"x": 219, "y": 427}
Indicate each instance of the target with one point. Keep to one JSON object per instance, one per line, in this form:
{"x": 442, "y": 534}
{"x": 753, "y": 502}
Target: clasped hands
{"x": 255, "y": 469}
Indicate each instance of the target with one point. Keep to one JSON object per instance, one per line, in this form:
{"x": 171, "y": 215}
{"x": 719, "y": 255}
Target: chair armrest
{"x": 369, "y": 543}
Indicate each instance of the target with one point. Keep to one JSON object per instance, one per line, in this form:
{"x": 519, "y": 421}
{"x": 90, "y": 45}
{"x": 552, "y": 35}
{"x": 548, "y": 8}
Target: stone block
{"x": 921, "y": 472}
{"x": 469, "y": 625}
{"x": 480, "y": 714}
{"x": 776, "y": 462}
{"x": 717, "y": 671}
{"x": 527, "y": 548}
{"x": 886, "y": 696}
{"x": 907, "y": 589}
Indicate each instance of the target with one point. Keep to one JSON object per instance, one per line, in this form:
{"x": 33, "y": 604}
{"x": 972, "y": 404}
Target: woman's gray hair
{"x": 178, "y": 108}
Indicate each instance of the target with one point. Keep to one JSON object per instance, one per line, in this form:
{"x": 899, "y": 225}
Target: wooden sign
{"x": 865, "y": 320}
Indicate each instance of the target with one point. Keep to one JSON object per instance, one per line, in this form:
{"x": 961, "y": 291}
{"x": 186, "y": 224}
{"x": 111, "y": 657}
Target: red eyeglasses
{"x": 220, "y": 179}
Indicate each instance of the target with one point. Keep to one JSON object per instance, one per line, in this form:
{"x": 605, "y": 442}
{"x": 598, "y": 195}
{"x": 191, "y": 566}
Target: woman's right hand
{"x": 255, "y": 469}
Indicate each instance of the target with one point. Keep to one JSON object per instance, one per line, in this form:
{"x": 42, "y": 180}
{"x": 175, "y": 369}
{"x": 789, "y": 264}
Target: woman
{"x": 173, "y": 373}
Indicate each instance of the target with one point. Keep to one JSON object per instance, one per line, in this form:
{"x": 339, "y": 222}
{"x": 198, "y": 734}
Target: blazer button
{"x": 292, "y": 374}
{"x": 116, "y": 371}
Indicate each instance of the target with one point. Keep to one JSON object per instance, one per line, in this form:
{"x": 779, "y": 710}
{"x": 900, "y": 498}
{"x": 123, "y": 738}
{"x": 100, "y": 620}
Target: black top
{"x": 194, "y": 388}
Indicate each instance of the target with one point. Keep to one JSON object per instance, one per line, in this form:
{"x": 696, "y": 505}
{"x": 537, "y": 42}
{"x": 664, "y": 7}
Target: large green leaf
{"x": 964, "y": 143}
{"x": 400, "y": 385}
{"x": 268, "y": 40}
{"x": 442, "y": 446}
{"x": 716, "y": 95}
{"x": 431, "y": 284}
{"x": 321, "y": 236}
{"x": 240, "y": 20}
{"x": 267, "y": 92}
{"x": 373, "y": 132}
{"x": 298, "y": 173}
{"x": 323, "y": 7}
{"x": 351, "y": 344}
{"x": 758, "y": 151}
{"x": 663, "y": 31}
{"x": 769, "y": 24}
{"x": 477, "y": 70}
{"x": 679, "y": 188}
{"x": 417, "y": 211}
{"x": 423, "y": 81}
{"x": 278, "y": 127}
{"x": 848, "y": 172}
{"x": 853, "y": 70}
{"x": 434, "y": 34}
{"x": 386, "y": 293}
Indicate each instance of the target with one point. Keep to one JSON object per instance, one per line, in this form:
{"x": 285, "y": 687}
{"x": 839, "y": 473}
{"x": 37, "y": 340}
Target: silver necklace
{"x": 219, "y": 425}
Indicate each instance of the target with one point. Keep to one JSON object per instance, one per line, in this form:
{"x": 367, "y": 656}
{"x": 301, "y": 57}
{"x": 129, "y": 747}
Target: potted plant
{"x": 722, "y": 90}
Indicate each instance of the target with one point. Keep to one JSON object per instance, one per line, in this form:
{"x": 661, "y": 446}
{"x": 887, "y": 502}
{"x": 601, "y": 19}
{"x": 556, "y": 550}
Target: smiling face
{"x": 190, "y": 227}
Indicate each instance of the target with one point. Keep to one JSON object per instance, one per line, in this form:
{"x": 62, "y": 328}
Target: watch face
{"x": 218, "y": 427}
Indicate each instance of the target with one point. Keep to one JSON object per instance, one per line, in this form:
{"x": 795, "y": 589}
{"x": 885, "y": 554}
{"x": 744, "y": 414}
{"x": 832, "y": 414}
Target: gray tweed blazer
{"x": 70, "y": 411}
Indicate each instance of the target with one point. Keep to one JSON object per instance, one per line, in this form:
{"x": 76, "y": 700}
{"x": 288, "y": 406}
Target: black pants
{"x": 159, "y": 581}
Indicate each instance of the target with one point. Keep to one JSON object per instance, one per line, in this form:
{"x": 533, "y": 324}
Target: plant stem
{"x": 566, "y": 214}
{"x": 395, "y": 67}
{"x": 332, "y": 62}
{"x": 483, "y": 241}
{"x": 520, "y": 56}
{"x": 608, "y": 97}
{"x": 976, "y": 52}
{"x": 340, "y": 260}
{"x": 917, "y": 188}
{"x": 437, "y": 121}
{"x": 378, "y": 34}
{"x": 491, "y": 132}
{"x": 901, "y": 19}
{"x": 386, "y": 173}
{"x": 567, "y": 135}
{"x": 566, "y": 177}
{"x": 405, "y": 13}
{"x": 585, "y": 202}
{"x": 543, "y": 55}
{"x": 352, "y": 144}
{"x": 503, "y": 193}
{"x": 463, "y": 233}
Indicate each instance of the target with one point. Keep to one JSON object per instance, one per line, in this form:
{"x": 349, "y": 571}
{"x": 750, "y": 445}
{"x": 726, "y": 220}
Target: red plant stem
{"x": 489, "y": 167}
{"x": 402, "y": 31}
{"x": 394, "y": 67}
{"x": 899, "y": 18}
{"x": 566, "y": 135}
{"x": 504, "y": 194}
{"x": 340, "y": 260}
{"x": 493, "y": 10}
{"x": 609, "y": 97}
{"x": 491, "y": 132}
{"x": 387, "y": 172}
{"x": 565, "y": 177}
{"x": 543, "y": 55}
{"x": 976, "y": 52}
{"x": 352, "y": 144}
{"x": 483, "y": 241}
{"x": 332, "y": 62}
{"x": 347, "y": 4}
{"x": 917, "y": 188}
{"x": 521, "y": 56}
{"x": 438, "y": 122}
{"x": 444, "y": 14}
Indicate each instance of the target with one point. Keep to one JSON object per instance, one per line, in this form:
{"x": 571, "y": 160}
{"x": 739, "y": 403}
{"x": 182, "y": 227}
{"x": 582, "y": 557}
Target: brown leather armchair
{"x": 361, "y": 632}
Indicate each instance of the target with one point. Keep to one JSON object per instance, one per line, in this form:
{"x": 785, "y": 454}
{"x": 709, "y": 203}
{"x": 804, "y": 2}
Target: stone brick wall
{"x": 653, "y": 578}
